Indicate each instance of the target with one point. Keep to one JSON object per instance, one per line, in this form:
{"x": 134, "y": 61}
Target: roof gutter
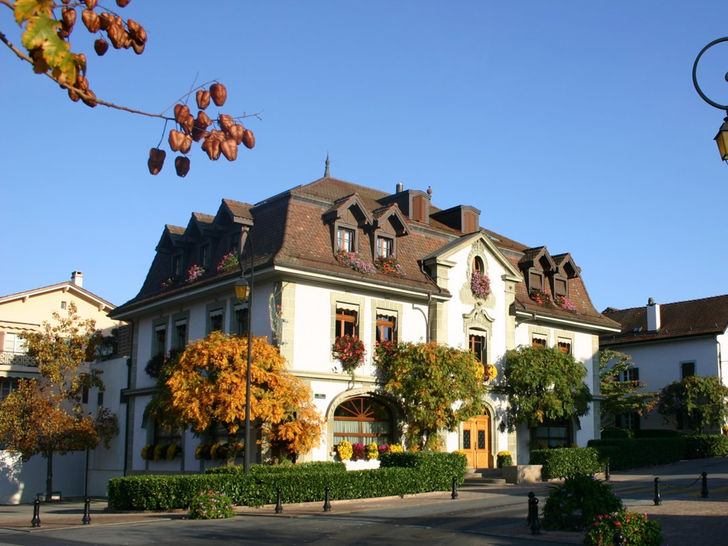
{"x": 533, "y": 316}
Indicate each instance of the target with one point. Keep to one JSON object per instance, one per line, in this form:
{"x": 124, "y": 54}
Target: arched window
{"x": 362, "y": 420}
{"x": 478, "y": 265}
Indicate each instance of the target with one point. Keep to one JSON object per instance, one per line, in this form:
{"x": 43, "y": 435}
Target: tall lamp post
{"x": 244, "y": 291}
{"x": 722, "y": 137}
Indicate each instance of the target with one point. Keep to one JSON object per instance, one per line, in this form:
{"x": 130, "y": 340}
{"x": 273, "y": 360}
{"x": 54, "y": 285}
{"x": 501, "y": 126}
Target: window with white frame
{"x": 180, "y": 335}
{"x": 159, "y": 341}
{"x": 386, "y": 327}
{"x": 345, "y": 239}
{"x": 385, "y": 247}
{"x": 347, "y": 321}
{"x": 241, "y": 321}
{"x": 215, "y": 320}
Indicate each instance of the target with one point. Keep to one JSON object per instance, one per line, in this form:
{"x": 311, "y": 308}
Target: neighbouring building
{"x": 330, "y": 258}
{"x": 26, "y": 312}
{"x": 669, "y": 342}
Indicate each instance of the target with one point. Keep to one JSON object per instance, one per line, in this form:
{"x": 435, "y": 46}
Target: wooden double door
{"x": 476, "y": 441}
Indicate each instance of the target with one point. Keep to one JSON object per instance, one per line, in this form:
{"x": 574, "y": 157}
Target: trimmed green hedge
{"x": 260, "y": 469}
{"x": 657, "y": 433}
{"x": 411, "y": 473}
{"x": 615, "y": 432}
{"x": 627, "y": 453}
{"x": 566, "y": 462}
{"x": 700, "y": 446}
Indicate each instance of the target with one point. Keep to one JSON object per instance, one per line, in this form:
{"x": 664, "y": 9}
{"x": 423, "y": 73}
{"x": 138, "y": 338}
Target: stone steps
{"x": 485, "y": 476}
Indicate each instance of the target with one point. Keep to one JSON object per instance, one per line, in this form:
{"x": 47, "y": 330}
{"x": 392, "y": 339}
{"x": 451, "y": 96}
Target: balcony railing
{"x": 18, "y": 359}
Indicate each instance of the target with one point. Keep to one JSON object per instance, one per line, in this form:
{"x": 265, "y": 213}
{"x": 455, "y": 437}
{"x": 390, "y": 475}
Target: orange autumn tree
{"x": 46, "y": 415}
{"x": 207, "y": 388}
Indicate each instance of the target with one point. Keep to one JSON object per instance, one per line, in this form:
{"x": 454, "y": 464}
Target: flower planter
{"x": 361, "y": 464}
{"x": 522, "y": 473}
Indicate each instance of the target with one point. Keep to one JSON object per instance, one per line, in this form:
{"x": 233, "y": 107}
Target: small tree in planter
{"x": 503, "y": 458}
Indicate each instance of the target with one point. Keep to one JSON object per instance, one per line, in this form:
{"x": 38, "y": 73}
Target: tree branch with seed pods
{"x": 47, "y": 27}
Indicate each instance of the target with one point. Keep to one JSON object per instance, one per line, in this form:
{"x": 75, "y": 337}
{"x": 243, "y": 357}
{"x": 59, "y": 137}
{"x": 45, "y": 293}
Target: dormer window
{"x": 535, "y": 280}
{"x": 345, "y": 239}
{"x": 385, "y": 247}
{"x": 177, "y": 264}
{"x": 204, "y": 256}
{"x": 561, "y": 287}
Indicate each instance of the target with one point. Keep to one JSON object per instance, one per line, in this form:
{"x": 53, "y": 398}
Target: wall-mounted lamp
{"x": 502, "y": 426}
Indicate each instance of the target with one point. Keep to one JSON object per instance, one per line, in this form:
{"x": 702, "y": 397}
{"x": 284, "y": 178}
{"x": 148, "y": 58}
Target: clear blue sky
{"x": 570, "y": 124}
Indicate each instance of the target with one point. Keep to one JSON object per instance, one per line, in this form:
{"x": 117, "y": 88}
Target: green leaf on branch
{"x": 40, "y": 36}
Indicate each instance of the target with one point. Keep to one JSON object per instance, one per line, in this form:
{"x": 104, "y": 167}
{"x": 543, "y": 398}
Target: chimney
{"x": 653, "y": 316}
{"x": 77, "y": 278}
{"x": 400, "y": 187}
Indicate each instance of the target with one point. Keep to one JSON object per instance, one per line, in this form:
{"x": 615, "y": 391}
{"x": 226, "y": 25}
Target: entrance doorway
{"x": 476, "y": 441}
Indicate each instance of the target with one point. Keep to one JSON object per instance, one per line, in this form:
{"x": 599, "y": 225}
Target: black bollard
{"x": 86, "y": 511}
{"x": 529, "y": 517}
{"x": 327, "y": 504}
{"x": 454, "y": 488}
{"x": 704, "y": 488}
{"x": 658, "y": 498}
{"x": 535, "y": 524}
{"x": 35, "y": 522}
{"x": 279, "y": 507}
{"x": 618, "y": 538}
{"x": 606, "y": 471}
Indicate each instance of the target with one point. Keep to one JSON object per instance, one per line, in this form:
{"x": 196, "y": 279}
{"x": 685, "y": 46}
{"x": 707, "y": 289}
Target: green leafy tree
{"x": 45, "y": 416}
{"x": 621, "y": 395}
{"x": 45, "y": 30}
{"x": 437, "y": 387}
{"x": 206, "y": 385}
{"x": 699, "y": 402}
{"x": 543, "y": 383}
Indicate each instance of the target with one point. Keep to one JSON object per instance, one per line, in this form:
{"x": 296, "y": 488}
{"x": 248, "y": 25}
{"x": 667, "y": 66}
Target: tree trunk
{"x": 49, "y": 475}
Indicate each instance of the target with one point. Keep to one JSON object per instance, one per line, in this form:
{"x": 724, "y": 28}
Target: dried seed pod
{"x": 117, "y": 35}
{"x": 218, "y": 93}
{"x": 225, "y": 121}
{"x": 211, "y": 145}
{"x": 101, "y": 46}
{"x": 90, "y": 99}
{"x": 122, "y": 3}
{"x": 81, "y": 82}
{"x": 106, "y": 20}
{"x": 248, "y": 139}
{"x": 175, "y": 140}
{"x": 91, "y": 4}
{"x": 204, "y": 119}
{"x": 182, "y": 165}
{"x": 73, "y": 95}
{"x": 156, "y": 160}
{"x": 181, "y": 111}
{"x": 137, "y": 47}
{"x": 203, "y": 99}
{"x": 80, "y": 61}
{"x": 68, "y": 16}
{"x": 136, "y": 31}
{"x": 186, "y": 144}
{"x": 236, "y": 132}
{"x": 91, "y": 19}
{"x": 188, "y": 123}
{"x": 229, "y": 149}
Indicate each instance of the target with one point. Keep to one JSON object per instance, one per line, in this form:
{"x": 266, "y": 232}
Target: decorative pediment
{"x": 565, "y": 265}
{"x": 479, "y": 316}
{"x": 353, "y": 204}
{"x": 393, "y": 216}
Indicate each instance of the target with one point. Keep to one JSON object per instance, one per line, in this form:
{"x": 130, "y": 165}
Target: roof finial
{"x": 326, "y": 171}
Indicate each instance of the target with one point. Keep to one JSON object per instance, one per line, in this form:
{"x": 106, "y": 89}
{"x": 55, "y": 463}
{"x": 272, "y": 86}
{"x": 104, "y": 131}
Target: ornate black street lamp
{"x": 244, "y": 291}
{"x": 722, "y": 137}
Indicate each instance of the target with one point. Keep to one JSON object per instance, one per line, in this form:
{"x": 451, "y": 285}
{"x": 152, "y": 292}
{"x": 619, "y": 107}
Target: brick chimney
{"x": 653, "y": 316}
{"x": 77, "y": 278}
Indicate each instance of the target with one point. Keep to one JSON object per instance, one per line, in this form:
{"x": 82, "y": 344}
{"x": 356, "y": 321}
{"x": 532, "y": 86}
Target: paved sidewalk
{"x": 685, "y": 516}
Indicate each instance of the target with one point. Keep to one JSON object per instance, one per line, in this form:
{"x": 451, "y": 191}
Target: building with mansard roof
{"x": 332, "y": 257}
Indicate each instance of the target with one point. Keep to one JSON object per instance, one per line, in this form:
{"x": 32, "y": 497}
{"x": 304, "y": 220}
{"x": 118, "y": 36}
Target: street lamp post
{"x": 721, "y": 138}
{"x": 244, "y": 291}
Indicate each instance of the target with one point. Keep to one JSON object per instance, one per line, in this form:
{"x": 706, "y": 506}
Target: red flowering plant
{"x": 565, "y": 303}
{"x": 229, "y": 261}
{"x": 480, "y": 284}
{"x": 195, "y": 272}
{"x": 389, "y": 265}
{"x": 354, "y": 261}
{"x": 349, "y": 351}
{"x": 635, "y": 528}
{"x": 539, "y": 296}
{"x": 360, "y": 452}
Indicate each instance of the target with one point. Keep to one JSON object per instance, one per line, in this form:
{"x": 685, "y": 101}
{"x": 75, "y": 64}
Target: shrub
{"x": 576, "y": 504}
{"x": 566, "y": 462}
{"x": 211, "y": 505}
{"x": 504, "y": 458}
{"x": 657, "y": 433}
{"x": 636, "y": 529}
{"x": 435, "y": 469}
{"x": 396, "y": 448}
{"x": 614, "y": 432}
{"x": 626, "y": 453}
{"x": 700, "y": 446}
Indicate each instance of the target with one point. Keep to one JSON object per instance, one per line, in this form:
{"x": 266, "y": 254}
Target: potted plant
{"x": 479, "y": 285}
{"x": 349, "y": 351}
